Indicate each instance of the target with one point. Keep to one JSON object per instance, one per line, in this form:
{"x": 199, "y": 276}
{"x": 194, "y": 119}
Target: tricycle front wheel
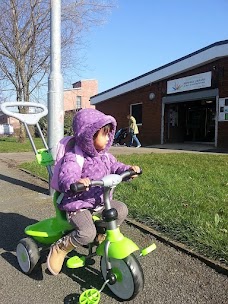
{"x": 129, "y": 275}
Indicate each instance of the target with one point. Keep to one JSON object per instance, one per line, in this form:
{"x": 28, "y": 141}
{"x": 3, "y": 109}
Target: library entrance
{"x": 190, "y": 121}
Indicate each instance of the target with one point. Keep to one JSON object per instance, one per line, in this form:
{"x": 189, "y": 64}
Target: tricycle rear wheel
{"x": 28, "y": 254}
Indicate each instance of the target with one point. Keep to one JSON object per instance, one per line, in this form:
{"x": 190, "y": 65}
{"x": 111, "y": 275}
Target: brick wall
{"x": 223, "y": 134}
{"x": 119, "y": 107}
{"x": 150, "y": 131}
{"x": 10, "y": 120}
{"x": 83, "y": 88}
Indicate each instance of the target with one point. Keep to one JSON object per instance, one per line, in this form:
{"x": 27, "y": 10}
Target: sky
{"x": 141, "y": 35}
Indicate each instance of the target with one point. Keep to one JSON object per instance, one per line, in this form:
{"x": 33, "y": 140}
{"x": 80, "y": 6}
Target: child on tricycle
{"x": 94, "y": 132}
{"x": 84, "y": 178}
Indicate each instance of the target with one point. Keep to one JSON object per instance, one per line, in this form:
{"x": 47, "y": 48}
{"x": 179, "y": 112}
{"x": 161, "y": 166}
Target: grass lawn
{"x": 10, "y": 144}
{"x": 184, "y": 196}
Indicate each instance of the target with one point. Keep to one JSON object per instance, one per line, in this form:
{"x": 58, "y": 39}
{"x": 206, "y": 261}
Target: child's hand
{"x": 136, "y": 169}
{"x": 85, "y": 181}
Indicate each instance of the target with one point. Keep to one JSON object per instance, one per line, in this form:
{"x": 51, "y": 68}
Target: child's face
{"x": 101, "y": 139}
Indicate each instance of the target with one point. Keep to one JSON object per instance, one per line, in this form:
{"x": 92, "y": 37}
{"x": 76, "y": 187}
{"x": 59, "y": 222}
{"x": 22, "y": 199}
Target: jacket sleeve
{"x": 117, "y": 167}
{"x": 69, "y": 172}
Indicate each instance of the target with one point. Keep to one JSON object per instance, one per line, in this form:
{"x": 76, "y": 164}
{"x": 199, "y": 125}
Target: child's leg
{"x": 85, "y": 233}
{"x": 85, "y": 230}
{"x": 121, "y": 209}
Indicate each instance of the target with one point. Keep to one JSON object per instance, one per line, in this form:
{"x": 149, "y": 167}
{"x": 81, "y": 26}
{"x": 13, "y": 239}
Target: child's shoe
{"x": 57, "y": 254}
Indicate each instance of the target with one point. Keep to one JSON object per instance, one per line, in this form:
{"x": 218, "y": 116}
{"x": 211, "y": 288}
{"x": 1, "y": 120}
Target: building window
{"x": 136, "y": 112}
{"x": 78, "y": 102}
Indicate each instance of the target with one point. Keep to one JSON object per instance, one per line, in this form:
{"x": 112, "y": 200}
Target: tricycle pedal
{"x": 76, "y": 262}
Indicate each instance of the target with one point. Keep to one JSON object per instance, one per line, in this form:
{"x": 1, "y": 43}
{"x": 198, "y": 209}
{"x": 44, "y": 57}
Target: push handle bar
{"x": 28, "y": 118}
{"x": 108, "y": 181}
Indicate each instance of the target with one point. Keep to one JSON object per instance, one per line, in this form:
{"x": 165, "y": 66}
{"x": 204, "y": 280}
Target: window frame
{"x": 78, "y": 100}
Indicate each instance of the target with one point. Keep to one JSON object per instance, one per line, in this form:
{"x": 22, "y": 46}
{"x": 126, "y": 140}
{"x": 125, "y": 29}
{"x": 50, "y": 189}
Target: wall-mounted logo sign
{"x": 223, "y": 109}
{"x": 189, "y": 83}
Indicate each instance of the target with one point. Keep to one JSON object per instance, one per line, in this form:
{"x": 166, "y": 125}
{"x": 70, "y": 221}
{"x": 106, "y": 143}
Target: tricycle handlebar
{"x": 129, "y": 173}
{"x": 108, "y": 181}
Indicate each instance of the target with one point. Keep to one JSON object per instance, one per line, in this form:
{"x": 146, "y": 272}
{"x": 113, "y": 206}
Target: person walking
{"x": 133, "y": 130}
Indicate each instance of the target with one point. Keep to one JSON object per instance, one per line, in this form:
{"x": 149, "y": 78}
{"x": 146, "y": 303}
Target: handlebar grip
{"x": 132, "y": 172}
{"x": 140, "y": 172}
{"x": 77, "y": 187}
{"x": 129, "y": 173}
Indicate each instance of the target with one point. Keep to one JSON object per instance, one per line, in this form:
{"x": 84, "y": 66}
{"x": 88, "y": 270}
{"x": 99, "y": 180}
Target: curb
{"x": 220, "y": 268}
{"x": 34, "y": 175}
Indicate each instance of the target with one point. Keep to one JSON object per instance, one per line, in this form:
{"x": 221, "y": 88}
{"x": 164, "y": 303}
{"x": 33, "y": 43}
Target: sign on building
{"x": 197, "y": 81}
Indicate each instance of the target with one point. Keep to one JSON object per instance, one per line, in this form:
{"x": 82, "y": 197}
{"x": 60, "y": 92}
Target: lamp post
{"x": 55, "y": 81}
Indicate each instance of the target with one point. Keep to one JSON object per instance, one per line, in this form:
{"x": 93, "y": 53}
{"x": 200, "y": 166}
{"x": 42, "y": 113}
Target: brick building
{"x": 76, "y": 98}
{"x": 9, "y": 120}
{"x": 79, "y": 96}
{"x": 183, "y": 101}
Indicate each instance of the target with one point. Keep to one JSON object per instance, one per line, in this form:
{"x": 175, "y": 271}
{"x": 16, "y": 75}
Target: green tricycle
{"x": 120, "y": 268}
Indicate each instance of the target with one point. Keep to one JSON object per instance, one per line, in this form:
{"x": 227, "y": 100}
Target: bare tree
{"x": 25, "y": 38}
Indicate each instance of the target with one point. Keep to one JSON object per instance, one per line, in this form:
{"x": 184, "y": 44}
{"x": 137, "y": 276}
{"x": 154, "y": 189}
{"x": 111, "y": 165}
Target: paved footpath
{"x": 170, "y": 275}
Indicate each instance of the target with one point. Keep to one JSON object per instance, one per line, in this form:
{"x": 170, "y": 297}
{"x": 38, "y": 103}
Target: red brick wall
{"x": 119, "y": 107}
{"x": 223, "y": 77}
{"x": 4, "y": 119}
{"x": 150, "y": 131}
{"x": 83, "y": 88}
{"x": 223, "y": 134}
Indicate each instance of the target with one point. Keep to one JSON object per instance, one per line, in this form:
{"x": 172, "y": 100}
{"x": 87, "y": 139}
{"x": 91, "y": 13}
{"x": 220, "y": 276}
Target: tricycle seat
{"x": 48, "y": 231}
{"x": 52, "y": 229}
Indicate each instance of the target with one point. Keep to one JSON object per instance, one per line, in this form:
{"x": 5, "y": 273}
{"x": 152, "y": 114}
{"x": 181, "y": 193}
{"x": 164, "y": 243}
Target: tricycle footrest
{"x": 76, "y": 262}
{"x": 148, "y": 249}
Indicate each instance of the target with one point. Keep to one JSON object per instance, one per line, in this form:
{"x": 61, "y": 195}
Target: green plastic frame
{"x": 50, "y": 230}
{"x": 120, "y": 246}
{"x": 44, "y": 157}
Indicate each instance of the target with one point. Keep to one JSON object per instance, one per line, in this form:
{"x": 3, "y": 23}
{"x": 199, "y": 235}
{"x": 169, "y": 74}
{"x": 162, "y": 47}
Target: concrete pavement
{"x": 170, "y": 275}
{"x": 14, "y": 158}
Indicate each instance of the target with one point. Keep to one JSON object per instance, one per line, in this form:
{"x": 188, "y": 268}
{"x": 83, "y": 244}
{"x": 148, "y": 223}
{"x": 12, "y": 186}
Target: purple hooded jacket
{"x": 96, "y": 164}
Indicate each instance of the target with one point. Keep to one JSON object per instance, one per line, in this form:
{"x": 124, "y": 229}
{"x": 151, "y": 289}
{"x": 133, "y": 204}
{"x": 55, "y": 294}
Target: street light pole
{"x": 55, "y": 81}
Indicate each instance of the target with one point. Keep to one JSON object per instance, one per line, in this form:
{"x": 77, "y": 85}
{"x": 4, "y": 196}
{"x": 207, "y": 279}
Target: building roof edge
{"x": 191, "y": 60}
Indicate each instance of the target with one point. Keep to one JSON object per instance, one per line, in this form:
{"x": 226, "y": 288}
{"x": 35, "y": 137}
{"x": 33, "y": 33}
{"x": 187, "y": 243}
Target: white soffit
{"x": 210, "y": 53}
